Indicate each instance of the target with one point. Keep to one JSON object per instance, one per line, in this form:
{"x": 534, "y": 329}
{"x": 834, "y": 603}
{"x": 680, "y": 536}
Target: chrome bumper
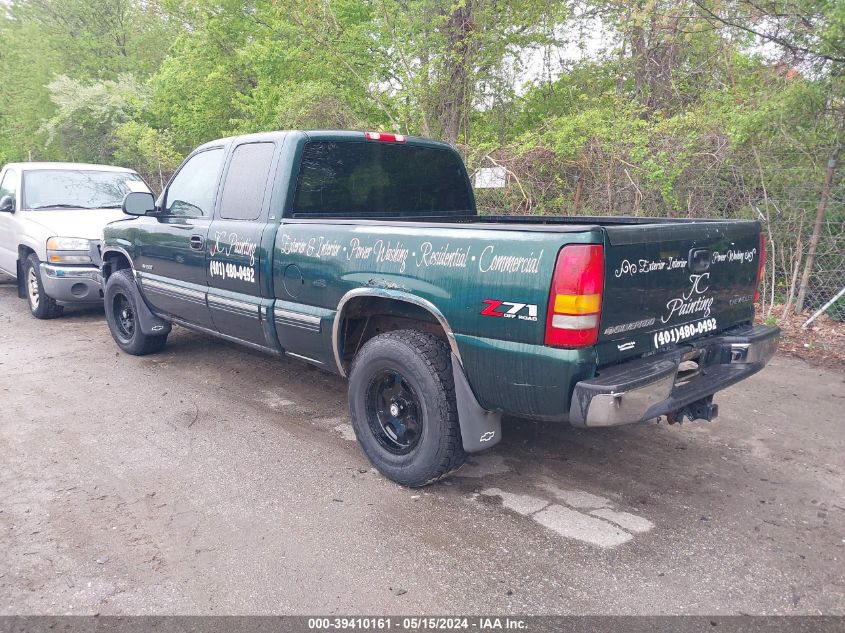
{"x": 72, "y": 284}
{"x": 649, "y": 387}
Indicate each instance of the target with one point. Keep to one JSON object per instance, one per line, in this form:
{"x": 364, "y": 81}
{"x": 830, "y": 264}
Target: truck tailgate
{"x": 666, "y": 283}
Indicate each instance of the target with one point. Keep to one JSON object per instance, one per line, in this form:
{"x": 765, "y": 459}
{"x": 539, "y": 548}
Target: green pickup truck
{"x": 363, "y": 254}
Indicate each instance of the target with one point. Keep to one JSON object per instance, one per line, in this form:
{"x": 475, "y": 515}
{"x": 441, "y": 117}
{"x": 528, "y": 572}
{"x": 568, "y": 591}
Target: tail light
{"x": 761, "y": 267}
{"x": 382, "y": 136}
{"x": 574, "y": 309}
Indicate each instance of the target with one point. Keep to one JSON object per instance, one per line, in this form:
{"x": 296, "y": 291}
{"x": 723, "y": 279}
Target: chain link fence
{"x": 826, "y": 274}
{"x": 780, "y": 188}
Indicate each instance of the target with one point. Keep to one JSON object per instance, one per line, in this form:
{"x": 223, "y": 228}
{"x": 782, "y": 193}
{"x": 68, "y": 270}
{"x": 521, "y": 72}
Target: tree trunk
{"x": 456, "y": 67}
{"x": 576, "y": 203}
{"x": 817, "y": 229}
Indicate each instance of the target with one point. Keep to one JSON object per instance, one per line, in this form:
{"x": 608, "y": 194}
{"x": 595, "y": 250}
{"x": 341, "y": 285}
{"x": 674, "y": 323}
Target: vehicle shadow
{"x": 635, "y": 465}
{"x": 689, "y": 472}
{"x": 93, "y": 312}
{"x": 317, "y": 393}
{"x": 606, "y": 458}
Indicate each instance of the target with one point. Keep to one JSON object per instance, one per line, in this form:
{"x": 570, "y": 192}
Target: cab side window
{"x": 9, "y": 185}
{"x": 246, "y": 181}
{"x": 191, "y": 193}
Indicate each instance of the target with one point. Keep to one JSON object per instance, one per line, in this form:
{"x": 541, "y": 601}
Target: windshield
{"x": 78, "y": 189}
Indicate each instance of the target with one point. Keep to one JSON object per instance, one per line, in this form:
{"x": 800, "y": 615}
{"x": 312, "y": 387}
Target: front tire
{"x": 40, "y": 305}
{"x": 403, "y": 408}
{"x": 122, "y": 317}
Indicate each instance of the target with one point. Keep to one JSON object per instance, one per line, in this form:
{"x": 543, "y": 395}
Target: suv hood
{"x": 84, "y": 223}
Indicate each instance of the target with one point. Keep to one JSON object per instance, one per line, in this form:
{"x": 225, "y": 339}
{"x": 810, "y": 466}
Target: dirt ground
{"x": 209, "y": 479}
{"x": 821, "y": 344}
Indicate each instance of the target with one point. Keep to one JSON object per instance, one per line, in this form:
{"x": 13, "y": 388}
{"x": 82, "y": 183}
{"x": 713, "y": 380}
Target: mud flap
{"x": 480, "y": 429}
{"x": 20, "y": 280}
{"x": 151, "y": 325}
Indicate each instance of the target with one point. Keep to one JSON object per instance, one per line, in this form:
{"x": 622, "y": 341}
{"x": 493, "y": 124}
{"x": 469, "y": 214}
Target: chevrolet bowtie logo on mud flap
{"x": 510, "y": 310}
{"x": 489, "y": 435}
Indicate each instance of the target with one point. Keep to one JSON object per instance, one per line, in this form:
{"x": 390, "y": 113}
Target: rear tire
{"x": 40, "y": 305}
{"x": 403, "y": 408}
{"x": 122, "y": 317}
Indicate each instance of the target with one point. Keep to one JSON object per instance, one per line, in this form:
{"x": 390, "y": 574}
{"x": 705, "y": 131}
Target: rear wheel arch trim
{"x": 395, "y": 295}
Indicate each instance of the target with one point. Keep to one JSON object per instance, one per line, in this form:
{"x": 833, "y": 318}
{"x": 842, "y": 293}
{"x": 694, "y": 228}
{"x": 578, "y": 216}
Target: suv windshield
{"x": 78, "y": 189}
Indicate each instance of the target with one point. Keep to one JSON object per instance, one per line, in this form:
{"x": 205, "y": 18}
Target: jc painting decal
{"x": 510, "y": 310}
{"x": 692, "y": 301}
{"x": 226, "y": 245}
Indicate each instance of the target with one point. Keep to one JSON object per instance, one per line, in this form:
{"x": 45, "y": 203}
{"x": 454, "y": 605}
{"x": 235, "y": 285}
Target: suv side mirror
{"x": 138, "y": 203}
{"x": 7, "y": 204}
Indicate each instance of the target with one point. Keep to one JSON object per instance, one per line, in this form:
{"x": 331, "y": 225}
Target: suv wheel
{"x": 402, "y": 403}
{"x": 40, "y": 305}
{"x": 122, "y": 317}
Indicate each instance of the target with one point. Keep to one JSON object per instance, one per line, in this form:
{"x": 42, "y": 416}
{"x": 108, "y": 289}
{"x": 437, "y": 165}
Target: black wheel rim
{"x": 394, "y": 412}
{"x": 124, "y": 316}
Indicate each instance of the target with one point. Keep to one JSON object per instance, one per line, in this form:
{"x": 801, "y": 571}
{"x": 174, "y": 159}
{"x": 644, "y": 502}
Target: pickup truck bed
{"x": 363, "y": 255}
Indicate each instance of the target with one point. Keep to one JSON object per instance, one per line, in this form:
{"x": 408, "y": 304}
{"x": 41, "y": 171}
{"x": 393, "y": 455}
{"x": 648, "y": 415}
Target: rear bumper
{"x": 72, "y": 284}
{"x": 647, "y": 388}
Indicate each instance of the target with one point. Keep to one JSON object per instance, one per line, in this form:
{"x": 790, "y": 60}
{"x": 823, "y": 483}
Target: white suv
{"x": 51, "y": 223}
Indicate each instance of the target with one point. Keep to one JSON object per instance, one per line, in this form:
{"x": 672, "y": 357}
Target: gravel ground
{"x": 210, "y": 479}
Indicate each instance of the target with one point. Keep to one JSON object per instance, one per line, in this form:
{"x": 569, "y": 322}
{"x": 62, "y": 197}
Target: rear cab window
{"x": 375, "y": 179}
{"x": 246, "y": 181}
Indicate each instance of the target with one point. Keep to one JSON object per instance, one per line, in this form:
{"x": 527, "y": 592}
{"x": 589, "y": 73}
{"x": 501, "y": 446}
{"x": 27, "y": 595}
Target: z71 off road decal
{"x": 510, "y": 310}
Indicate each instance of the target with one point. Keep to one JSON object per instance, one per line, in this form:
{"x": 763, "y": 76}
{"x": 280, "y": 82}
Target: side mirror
{"x": 138, "y": 203}
{"x": 7, "y": 204}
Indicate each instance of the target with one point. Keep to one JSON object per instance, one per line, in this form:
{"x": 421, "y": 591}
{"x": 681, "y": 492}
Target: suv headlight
{"x": 68, "y": 250}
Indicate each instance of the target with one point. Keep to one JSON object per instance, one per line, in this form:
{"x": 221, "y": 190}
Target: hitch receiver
{"x": 703, "y": 409}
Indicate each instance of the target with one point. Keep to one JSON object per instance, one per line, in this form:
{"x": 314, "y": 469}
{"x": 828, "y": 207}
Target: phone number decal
{"x": 683, "y": 332}
{"x": 225, "y": 270}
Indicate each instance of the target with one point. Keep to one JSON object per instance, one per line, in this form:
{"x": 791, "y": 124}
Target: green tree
{"x": 88, "y": 114}
{"x": 147, "y": 150}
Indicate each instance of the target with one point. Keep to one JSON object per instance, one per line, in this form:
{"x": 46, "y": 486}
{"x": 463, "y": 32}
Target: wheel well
{"x": 23, "y": 253}
{"x": 366, "y": 317}
{"x": 112, "y": 262}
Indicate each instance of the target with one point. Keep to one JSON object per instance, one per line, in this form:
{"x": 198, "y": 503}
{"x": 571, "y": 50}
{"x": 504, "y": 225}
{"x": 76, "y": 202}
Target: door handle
{"x": 197, "y": 242}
